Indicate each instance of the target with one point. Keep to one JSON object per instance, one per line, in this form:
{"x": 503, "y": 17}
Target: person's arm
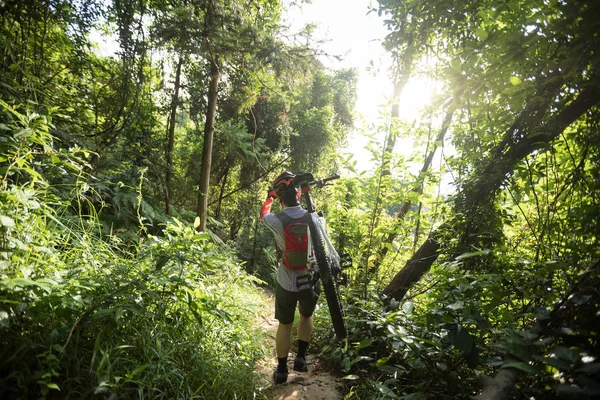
{"x": 266, "y": 207}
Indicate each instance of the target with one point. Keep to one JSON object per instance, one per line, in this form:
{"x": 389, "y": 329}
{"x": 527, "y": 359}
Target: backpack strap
{"x": 286, "y": 219}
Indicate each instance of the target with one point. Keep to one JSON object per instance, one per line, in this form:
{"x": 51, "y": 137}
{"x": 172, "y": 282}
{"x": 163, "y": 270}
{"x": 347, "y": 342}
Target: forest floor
{"x": 316, "y": 384}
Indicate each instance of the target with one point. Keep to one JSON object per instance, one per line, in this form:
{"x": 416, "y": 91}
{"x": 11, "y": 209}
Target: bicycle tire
{"x": 329, "y": 285}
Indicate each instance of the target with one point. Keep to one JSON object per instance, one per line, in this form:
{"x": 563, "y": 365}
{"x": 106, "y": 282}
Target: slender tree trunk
{"x": 209, "y": 130}
{"x": 222, "y": 192}
{"x": 418, "y": 188}
{"x": 171, "y": 138}
{"x": 527, "y": 134}
{"x": 394, "y": 119}
{"x": 386, "y": 159}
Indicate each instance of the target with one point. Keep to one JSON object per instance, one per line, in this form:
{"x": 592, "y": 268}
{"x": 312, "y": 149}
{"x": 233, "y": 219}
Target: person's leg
{"x": 285, "y": 307}
{"x": 282, "y": 339}
{"x": 305, "y": 328}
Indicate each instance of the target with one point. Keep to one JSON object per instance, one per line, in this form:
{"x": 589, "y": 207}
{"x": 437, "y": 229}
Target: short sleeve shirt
{"x": 285, "y": 276}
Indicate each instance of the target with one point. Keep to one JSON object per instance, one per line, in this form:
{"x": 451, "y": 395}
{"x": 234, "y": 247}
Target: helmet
{"x": 283, "y": 181}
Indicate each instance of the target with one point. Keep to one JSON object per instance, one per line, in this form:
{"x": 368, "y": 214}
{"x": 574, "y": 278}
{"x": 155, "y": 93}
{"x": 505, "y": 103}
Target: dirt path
{"x": 316, "y": 384}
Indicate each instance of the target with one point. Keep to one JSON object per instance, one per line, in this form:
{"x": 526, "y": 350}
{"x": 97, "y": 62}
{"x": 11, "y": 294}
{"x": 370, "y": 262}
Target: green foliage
{"x": 322, "y": 119}
{"x": 101, "y": 294}
{"x": 509, "y": 254}
{"x": 389, "y": 355}
{"x": 80, "y": 315}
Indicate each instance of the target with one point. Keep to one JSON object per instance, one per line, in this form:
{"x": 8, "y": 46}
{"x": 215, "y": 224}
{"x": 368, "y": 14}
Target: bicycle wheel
{"x": 329, "y": 285}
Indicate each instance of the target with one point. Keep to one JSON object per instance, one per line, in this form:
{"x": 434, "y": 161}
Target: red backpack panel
{"x": 295, "y": 236}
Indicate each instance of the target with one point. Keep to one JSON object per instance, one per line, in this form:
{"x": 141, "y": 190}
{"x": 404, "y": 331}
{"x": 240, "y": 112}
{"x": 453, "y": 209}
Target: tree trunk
{"x": 209, "y": 130}
{"x": 171, "y": 138}
{"x": 418, "y": 188}
{"x": 416, "y": 267}
{"x": 501, "y": 385}
{"x": 394, "y": 119}
{"x": 222, "y": 192}
{"x": 527, "y": 134}
{"x": 386, "y": 160}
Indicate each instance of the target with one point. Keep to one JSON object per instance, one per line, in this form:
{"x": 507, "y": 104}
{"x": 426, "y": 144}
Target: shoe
{"x": 300, "y": 364}
{"x": 280, "y": 376}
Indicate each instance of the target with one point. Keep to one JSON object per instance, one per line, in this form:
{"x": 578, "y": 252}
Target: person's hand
{"x": 272, "y": 194}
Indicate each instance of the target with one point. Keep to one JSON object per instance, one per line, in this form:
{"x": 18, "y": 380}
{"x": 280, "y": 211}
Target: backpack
{"x": 295, "y": 236}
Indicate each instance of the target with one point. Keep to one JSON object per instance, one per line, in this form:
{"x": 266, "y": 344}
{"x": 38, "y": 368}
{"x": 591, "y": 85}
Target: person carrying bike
{"x": 294, "y": 285}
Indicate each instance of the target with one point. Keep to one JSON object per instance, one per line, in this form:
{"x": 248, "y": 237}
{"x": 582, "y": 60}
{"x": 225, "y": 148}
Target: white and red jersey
{"x": 285, "y": 277}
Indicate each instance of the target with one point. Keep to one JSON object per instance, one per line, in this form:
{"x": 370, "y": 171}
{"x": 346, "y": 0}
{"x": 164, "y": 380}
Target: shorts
{"x": 285, "y": 304}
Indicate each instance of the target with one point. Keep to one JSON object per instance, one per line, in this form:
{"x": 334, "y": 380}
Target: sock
{"x": 282, "y": 364}
{"x": 302, "y": 347}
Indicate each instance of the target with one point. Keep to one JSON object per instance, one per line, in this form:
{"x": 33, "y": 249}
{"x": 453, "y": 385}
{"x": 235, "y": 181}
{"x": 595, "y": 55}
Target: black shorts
{"x": 285, "y": 304}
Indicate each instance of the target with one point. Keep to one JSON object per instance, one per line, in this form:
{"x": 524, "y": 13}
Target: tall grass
{"x": 82, "y": 316}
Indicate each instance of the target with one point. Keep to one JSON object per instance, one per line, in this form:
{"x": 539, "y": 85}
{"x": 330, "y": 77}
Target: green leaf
{"x": 351, "y": 377}
{"x": 515, "y": 80}
{"x": 556, "y": 363}
{"x": 569, "y": 391}
{"x": 7, "y": 221}
{"x": 565, "y": 354}
{"x": 203, "y": 235}
{"x": 4, "y": 320}
{"x": 457, "y": 306}
{"x": 481, "y": 34}
{"x": 392, "y": 370}
{"x": 592, "y": 368}
{"x": 52, "y": 386}
{"x": 385, "y": 390}
{"x": 473, "y": 254}
{"x": 23, "y": 282}
{"x": 161, "y": 261}
{"x": 382, "y": 361}
{"x": 522, "y": 366}
{"x": 461, "y": 339}
{"x": 429, "y": 342}
{"x": 364, "y": 343}
{"x": 24, "y": 133}
{"x": 360, "y": 358}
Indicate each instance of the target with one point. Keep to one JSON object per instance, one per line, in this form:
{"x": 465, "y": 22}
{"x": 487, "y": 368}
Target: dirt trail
{"x": 316, "y": 384}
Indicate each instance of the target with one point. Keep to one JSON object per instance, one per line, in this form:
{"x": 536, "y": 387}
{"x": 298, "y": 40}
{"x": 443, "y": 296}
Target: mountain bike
{"x": 329, "y": 262}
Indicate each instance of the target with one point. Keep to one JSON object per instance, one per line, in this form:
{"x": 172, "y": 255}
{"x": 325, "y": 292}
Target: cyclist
{"x": 293, "y": 285}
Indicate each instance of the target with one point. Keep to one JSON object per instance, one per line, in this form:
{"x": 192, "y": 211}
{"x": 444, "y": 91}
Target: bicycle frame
{"x": 324, "y": 258}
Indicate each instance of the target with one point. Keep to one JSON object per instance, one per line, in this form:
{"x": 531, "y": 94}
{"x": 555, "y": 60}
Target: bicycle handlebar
{"x": 307, "y": 179}
{"x": 322, "y": 182}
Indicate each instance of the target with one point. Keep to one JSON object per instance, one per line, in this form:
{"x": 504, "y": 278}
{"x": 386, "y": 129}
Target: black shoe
{"x": 280, "y": 376}
{"x": 300, "y": 364}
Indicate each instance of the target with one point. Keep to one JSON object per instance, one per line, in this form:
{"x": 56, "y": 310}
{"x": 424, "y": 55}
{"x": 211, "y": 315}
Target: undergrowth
{"x": 82, "y": 316}
{"x": 448, "y": 343}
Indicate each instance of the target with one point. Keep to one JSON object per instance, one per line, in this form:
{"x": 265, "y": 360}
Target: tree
{"x": 178, "y": 27}
{"x": 171, "y": 136}
{"x": 564, "y": 90}
{"x": 222, "y": 45}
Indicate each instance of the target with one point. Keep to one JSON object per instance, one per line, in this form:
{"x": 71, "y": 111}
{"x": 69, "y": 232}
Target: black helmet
{"x": 283, "y": 181}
